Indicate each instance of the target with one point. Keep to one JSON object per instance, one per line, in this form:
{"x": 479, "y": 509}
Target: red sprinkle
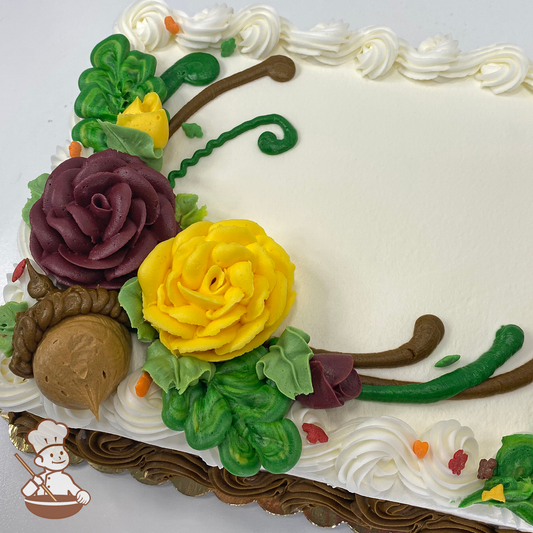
{"x": 315, "y": 433}
{"x": 458, "y": 462}
{"x": 171, "y": 25}
{"x": 19, "y": 270}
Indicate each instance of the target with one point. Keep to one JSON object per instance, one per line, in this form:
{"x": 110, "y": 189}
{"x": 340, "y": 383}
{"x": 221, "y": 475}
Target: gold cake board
{"x": 278, "y": 494}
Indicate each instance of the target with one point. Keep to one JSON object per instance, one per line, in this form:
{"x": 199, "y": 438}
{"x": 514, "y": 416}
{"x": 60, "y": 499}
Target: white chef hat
{"x": 48, "y": 433}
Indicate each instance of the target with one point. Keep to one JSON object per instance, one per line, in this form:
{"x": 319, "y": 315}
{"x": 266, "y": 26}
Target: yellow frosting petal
{"x": 225, "y": 255}
{"x": 162, "y": 321}
{"x": 201, "y": 300}
{"x": 154, "y": 269}
{"x": 227, "y": 319}
{"x": 245, "y": 334}
{"x": 231, "y": 234}
{"x": 196, "y": 265}
{"x": 183, "y": 346}
{"x": 241, "y": 276}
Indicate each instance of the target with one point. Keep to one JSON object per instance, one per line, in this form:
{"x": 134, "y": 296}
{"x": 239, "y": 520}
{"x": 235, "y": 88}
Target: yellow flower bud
{"x": 148, "y": 116}
{"x": 217, "y": 291}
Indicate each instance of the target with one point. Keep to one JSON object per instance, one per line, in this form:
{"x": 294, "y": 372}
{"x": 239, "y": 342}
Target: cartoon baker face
{"x": 53, "y": 458}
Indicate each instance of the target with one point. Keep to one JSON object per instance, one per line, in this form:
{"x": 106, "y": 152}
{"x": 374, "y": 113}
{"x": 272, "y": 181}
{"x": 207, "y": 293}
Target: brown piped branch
{"x": 54, "y": 305}
{"x": 427, "y": 334}
{"x": 279, "y": 68}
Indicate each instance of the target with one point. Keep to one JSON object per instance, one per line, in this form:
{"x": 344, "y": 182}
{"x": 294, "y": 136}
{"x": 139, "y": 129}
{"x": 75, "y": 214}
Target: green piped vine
{"x": 268, "y": 143}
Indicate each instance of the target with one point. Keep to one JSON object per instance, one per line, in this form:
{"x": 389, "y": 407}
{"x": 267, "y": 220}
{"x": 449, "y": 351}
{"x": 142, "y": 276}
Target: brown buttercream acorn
{"x": 74, "y": 342}
{"x": 82, "y": 360}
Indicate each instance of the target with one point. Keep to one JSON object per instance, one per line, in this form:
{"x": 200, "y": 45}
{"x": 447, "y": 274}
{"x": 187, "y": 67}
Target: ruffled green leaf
{"x": 36, "y": 187}
{"x": 169, "y": 370}
{"x": 133, "y": 142}
{"x": 8, "y": 318}
{"x": 187, "y": 211}
{"x": 287, "y": 363}
{"x": 130, "y": 298}
{"x": 89, "y": 133}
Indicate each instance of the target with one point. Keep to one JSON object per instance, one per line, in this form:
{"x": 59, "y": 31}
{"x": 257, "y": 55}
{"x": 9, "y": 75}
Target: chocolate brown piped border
{"x": 277, "y": 493}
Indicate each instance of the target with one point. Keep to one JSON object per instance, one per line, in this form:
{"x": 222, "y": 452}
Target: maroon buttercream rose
{"x": 99, "y": 217}
{"x": 334, "y": 381}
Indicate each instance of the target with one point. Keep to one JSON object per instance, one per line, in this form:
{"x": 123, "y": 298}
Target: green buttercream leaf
{"x": 36, "y": 187}
{"x": 287, "y": 363}
{"x": 227, "y": 47}
{"x": 89, "y": 133}
{"x": 238, "y": 456}
{"x": 187, "y": 211}
{"x": 169, "y": 370}
{"x": 277, "y": 444}
{"x": 239, "y": 413}
{"x": 8, "y": 317}
{"x": 176, "y": 406}
{"x": 192, "y": 130}
{"x": 130, "y": 298}
{"x": 133, "y": 142}
{"x": 447, "y": 361}
{"x": 118, "y": 77}
{"x": 515, "y": 457}
{"x": 209, "y": 420}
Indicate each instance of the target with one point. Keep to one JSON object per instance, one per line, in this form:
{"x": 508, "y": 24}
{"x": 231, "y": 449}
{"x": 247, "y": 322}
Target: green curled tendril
{"x": 268, "y": 143}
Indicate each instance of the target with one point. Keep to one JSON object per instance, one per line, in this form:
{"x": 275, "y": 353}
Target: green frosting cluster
{"x": 117, "y": 77}
{"x": 239, "y": 413}
{"x": 514, "y": 471}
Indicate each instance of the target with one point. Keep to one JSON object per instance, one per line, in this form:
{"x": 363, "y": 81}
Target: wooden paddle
{"x": 31, "y": 472}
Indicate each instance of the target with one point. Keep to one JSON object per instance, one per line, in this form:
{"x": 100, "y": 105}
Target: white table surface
{"x": 44, "y": 48}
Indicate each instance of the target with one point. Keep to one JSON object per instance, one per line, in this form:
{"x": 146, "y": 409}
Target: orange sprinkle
{"x": 171, "y": 25}
{"x": 74, "y": 149}
{"x": 420, "y": 448}
{"x": 143, "y": 384}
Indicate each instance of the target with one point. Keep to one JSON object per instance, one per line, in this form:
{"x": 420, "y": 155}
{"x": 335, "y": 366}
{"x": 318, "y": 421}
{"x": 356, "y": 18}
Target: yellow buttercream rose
{"x": 148, "y": 116}
{"x": 217, "y": 291}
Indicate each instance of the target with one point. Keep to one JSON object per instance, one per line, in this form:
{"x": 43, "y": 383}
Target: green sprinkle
{"x": 228, "y": 47}
{"x": 447, "y": 361}
{"x": 192, "y": 130}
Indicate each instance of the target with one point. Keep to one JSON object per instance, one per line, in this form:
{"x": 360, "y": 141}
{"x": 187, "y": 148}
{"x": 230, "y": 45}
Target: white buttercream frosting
{"x": 135, "y": 415}
{"x": 433, "y": 57}
{"x": 143, "y": 23}
{"x": 73, "y": 418}
{"x": 204, "y": 29}
{"x": 379, "y": 454}
{"x": 258, "y": 28}
{"x": 16, "y": 393}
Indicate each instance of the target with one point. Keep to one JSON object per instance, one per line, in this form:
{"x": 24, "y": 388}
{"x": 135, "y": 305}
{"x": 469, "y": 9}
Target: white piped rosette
{"x": 433, "y": 58}
{"x": 378, "y": 456}
{"x": 137, "y": 416}
{"x": 258, "y": 28}
{"x": 445, "y": 439}
{"x": 204, "y": 29}
{"x": 143, "y": 23}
